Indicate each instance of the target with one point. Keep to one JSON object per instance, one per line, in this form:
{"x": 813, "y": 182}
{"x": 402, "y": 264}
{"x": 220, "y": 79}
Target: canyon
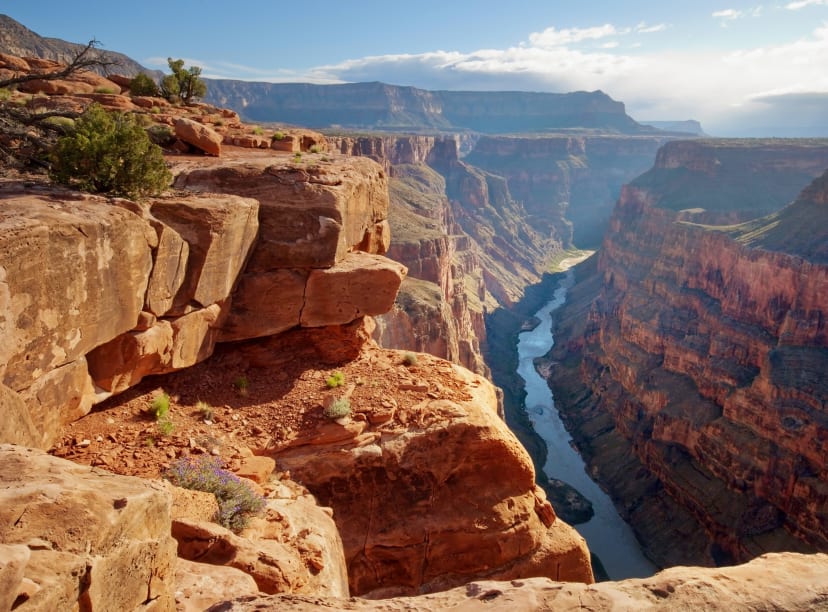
{"x": 687, "y": 364}
{"x": 687, "y": 357}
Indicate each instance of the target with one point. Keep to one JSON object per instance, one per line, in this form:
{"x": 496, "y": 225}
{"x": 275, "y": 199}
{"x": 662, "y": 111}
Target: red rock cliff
{"x": 690, "y": 370}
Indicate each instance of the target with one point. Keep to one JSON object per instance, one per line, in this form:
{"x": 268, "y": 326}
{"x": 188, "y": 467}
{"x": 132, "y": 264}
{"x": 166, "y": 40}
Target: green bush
{"x": 339, "y": 408}
{"x": 335, "y": 380}
{"x": 278, "y": 136}
{"x": 184, "y": 84}
{"x": 236, "y": 500}
{"x": 258, "y": 131}
{"x": 315, "y": 149}
{"x": 160, "y": 406}
{"x": 143, "y": 85}
{"x": 161, "y": 134}
{"x": 410, "y": 359}
{"x": 110, "y": 153}
{"x": 105, "y": 90}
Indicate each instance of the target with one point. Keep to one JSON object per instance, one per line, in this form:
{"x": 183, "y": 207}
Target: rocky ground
{"x": 253, "y": 396}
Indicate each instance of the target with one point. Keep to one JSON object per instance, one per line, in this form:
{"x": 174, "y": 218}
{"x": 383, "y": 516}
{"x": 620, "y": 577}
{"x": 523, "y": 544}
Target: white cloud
{"x": 643, "y": 28}
{"x": 800, "y": 4}
{"x": 552, "y": 37}
{"x": 727, "y": 15}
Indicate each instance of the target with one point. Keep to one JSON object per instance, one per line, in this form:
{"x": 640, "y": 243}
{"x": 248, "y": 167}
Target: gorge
{"x": 401, "y": 273}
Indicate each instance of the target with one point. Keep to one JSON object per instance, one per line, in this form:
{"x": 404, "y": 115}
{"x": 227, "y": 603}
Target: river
{"x": 606, "y": 533}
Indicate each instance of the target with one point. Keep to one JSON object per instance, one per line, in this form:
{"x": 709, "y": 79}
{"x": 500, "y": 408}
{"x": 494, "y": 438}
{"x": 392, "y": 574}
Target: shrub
{"x": 184, "y": 84}
{"x": 315, "y": 149}
{"x": 242, "y": 385}
{"x": 297, "y": 158}
{"x": 143, "y": 85}
{"x": 258, "y": 131}
{"x": 335, "y": 380}
{"x": 105, "y": 90}
{"x": 278, "y": 136}
{"x": 410, "y": 359}
{"x": 5, "y": 93}
{"x": 110, "y": 153}
{"x": 236, "y": 500}
{"x": 161, "y": 134}
{"x": 165, "y": 426}
{"x": 339, "y": 408}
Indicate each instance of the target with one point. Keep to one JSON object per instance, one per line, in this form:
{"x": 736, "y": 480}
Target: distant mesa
{"x": 379, "y": 106}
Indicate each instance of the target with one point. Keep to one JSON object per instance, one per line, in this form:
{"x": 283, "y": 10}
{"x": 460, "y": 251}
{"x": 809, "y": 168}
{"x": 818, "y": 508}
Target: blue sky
{"x": 740, "y": 67}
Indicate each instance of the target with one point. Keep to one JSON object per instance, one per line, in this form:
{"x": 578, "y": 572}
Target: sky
{"x": 741, "y": 68}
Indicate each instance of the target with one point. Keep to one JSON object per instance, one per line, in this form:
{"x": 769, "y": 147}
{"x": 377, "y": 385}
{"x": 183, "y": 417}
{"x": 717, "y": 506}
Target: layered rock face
{"x": 689, "y": 371}
{"x": 95, "y": 295}
{"x": 784, "y": 581}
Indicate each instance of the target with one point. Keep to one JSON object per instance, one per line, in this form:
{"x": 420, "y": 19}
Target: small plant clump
{"x": 258, "y": 131}
{"x": 237, "y": 502}
{"x": 337, "y": 409}
{"x": 242, "y": 385}
{"x": 297, "y": 158}
{"x": 315, "y": 149}
{"x": 205, "y": 410}
{"x": 104, "y": 90}
{"x": 160, "y": 408}
{"x": 410, "y": 359}
{"x": 278, "y": 136}
{"x": 337, "y": 379}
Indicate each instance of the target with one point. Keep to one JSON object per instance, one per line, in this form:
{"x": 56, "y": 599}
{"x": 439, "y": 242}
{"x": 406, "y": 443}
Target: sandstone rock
{"x": 200, "y": 585}
{"x": 167, "y": 346}
{"x": 289, "y": 143}
{"x": 309, "y": 216}
{"x": 198, "y": 135}
{"x": 414, "y": 518}
{"x": 360, "y": 284}
{"x": 113, "y": 101}
{"x": 220, "y": 231}
{"x": 782, "y": 582}
{"x": 257, "y": 469}
{"x": 149, "y": 101}
{"x": 17, "y": 426}
{"x": 169, "y": 270}
{"x": 13, "y": 560}
{"x": 74, "y": 273}
{"x": 120, "y": 80}
{"x": 276, "y": 567}
{"x": 60, "y": 396}
{"x": 88, "y": 530}
{"x": 191, "y": 504}
{"x": 12, "y": 62}
{"x": 264, "y": 304}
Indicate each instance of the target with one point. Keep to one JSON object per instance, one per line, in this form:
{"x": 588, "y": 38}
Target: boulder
{"x": 87, "y": 530}
{"x": 220, "y": 231}
{"x": 199, "y": 136}
{"x": 167, "y": 346}
{"x": 358, "y": 285}
{"x": 13, "y": 560}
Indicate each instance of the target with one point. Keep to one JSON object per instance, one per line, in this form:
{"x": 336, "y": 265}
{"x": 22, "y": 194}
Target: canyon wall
{"x": 379, "y": 106}
{"x": 688, "y": 363}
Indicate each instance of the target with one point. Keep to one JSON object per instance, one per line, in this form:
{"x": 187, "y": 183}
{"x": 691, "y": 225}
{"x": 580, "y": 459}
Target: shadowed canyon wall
{"x": 689, "y": 357}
